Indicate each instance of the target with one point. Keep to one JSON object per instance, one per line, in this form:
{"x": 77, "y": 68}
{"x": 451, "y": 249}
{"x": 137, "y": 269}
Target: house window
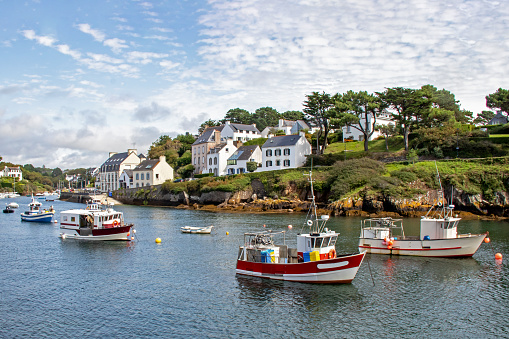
{"x": 286, "y": 151}
{"x": 203, "y": 149}
{"x": 278, "y": 162}
{"x": 215, "y": 161}
{"x": 137, "y": 184}
{"x": 137, "y": 177}
{"x": 198, "y": 160}
{"x": 277, "y": 152}
{"x": 142, "y": 176}
{"x": 286, "y": 163}
{"x": 203, "y": 160}
{"x": 268, "y": 163}
{"x": 268, "y": 152}
{"x": 148, "y": 176}
{"x": 210, "y": 161}
{"x": 195, "y": 160}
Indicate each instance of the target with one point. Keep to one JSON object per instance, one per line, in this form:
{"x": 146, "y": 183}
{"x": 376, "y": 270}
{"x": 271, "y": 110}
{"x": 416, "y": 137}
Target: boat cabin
{"x": 317, "y": 246}
{"x": 382, "y": 228}
{"x": 440, "y": 228}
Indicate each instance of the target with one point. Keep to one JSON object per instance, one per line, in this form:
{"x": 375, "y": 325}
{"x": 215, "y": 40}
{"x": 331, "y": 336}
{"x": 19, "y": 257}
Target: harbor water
{"x": 186, "y": 285}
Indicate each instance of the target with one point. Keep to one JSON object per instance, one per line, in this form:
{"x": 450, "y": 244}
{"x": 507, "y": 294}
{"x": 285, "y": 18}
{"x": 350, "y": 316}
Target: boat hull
{"x": 105, "y": 234}
{"x": 39, "y": 217}
{"x": 340, "y": 270}
{"x": 462, "y": 246}
{"x": 196, "y": 230}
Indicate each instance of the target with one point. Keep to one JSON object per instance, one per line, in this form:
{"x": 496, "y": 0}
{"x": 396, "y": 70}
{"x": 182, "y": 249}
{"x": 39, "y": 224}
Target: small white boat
{"x": 198, "y": 230}
{"x": 52, "y": 197}
{"x": 12, "y": 205}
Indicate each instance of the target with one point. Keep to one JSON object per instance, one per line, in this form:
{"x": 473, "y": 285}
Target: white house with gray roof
{"x": 286, "y": 151}
{"x": 218, "y": 156}
{"x": 111, "y": 169}
{"x": 240, "y": 132}
{"x": 287, "y": 126}
{"x": 152, "y": 172}
{"x": 237, "y": 163}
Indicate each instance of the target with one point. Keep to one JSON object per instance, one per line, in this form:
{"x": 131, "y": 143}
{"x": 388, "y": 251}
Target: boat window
{"x": 73, "y": 219}
{"x": 65, "y": 217}
{"x": 317, "y": 243}
{"x": 333, "y": 241}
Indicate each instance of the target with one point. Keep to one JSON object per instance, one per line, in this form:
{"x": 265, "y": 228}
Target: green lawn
{"x": 355, "y": 149}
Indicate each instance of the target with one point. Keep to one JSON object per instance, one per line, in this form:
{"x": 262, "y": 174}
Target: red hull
{"x": 338, "y": 270}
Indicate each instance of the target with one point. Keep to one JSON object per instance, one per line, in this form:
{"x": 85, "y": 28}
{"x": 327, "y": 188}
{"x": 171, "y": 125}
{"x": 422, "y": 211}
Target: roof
{"x": 207, "y": 135}
{"x": 113, "y": 162}
{"x": 129, "y": 172}
{"x": 242, "y": 127}
{"x": 147, "y": 165}
{"x": 243, "y": 152}
{"x": 283, "y": 140}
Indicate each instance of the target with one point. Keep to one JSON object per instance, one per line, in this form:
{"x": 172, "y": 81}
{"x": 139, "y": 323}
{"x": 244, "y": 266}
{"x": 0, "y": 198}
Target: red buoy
{"x": 498, "y": 256}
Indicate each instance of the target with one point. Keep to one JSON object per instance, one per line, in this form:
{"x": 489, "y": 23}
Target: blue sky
{"x": 82, "y": 78}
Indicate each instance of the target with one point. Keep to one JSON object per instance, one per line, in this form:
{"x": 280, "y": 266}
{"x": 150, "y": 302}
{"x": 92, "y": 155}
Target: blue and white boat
{"x": 35, "y": 213}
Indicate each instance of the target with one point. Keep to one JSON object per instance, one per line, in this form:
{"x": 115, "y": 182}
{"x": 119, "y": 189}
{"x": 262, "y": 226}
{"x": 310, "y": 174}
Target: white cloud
{"x": 43, "y": 40}
{"x": 115, "y": 44}
{"x": 95, "y": 33}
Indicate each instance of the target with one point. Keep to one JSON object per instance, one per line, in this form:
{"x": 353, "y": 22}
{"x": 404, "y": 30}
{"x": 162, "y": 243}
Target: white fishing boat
{"x": 95, "y": 222}
{"x": 438, "y": 235}
{"x": 197, "y": 230}
{"x": 313, "y": 261}
{"x": 12, "y": 205}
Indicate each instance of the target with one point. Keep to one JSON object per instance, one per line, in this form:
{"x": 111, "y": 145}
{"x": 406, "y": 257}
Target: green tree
{"x": 208, "y": 123}
{"x": 56, "y": 172}
{"x": 238, "y": 116}
{"x": 251, "y": 166}
{"x": 293, "y": 115}
{"x": 408, "y": 105}
{"x": 387, "y": 131}
{"x": 186, "y": 140}
{"x": 319, "y": 108}
{"x": 483, "y": 118}
{"x": 265, "y": 116}
{"x": 499, "y": 99}
{"x": 358, "y": 110}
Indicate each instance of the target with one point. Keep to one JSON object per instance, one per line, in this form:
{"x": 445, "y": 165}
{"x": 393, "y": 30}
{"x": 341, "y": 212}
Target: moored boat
{"x": 36, "y": 214}
{"x": 196, "y": 230}
{"x": 313, "y": 261}
{"x": 8, "y": 209}
{"x": 95, "y": 222}
{"x": 438, "y": 235}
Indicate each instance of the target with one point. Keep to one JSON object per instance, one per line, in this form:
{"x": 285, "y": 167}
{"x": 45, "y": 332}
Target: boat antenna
{"x": 312, "y": 217}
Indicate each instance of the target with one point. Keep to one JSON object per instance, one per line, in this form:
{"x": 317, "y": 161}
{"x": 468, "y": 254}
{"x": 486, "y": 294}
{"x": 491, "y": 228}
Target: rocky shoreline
{"x": 253, "y": 201}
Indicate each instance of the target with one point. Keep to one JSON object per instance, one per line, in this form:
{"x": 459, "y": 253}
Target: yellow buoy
{"x": 158, "y": 240}
{"x": 227, "y": 233}
{"x": 498, "y": 256}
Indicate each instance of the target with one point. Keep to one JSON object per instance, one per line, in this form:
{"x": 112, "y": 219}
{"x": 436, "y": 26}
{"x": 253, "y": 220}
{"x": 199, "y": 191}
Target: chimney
{"x": 112, "y": 154}
{"x": 281, "y": 122}
{"x": 217, "y": 137}
{"x": 132, "y": 150}
{"x": 302, "y": 134}
{"x": 162, "y": 158}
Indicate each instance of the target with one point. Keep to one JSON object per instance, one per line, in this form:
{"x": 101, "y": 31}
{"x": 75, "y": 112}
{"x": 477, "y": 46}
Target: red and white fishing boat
{"x": 438, "y": 235}
{"x": 96, "y": 222}
{"x": 313, "y": 261}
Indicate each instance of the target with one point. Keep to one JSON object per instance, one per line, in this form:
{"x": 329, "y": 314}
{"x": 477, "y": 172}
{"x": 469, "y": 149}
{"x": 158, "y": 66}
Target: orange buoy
{"x": 487, "y": 240}
{"x": 290, "y": 227}
{"x": 132, "y": 238}
{"x": 128, "y": 234}
{"x": 498, "y": 256}
{"x": 389, "y": 247}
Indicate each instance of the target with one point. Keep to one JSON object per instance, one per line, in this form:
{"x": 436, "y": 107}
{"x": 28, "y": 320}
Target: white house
{"x": 350, "y": 132}
{"x": 218, "y": 156}
{"x": 240, "y": 132}
{"x": 237, "y": 163}
{"x": 126, "y": 179}
{"x": 152, "y": 172}
{"x": 112, "y": 168}
{"x": 287, "y": 126}
{"x": 13, "y": 172}
{"x": 286, "y": 151}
